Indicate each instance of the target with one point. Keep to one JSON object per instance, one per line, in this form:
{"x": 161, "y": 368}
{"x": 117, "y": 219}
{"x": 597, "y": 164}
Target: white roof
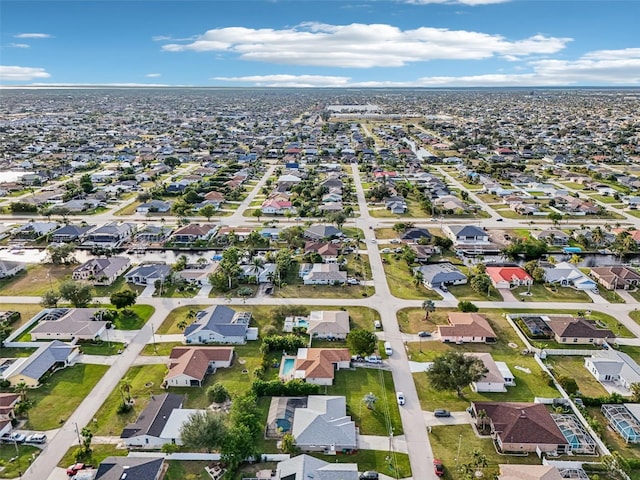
{"x": 178, "y": 417}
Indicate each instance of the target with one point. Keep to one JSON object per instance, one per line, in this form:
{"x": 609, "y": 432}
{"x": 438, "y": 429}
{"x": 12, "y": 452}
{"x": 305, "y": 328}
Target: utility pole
{"x": 78, "y": 433}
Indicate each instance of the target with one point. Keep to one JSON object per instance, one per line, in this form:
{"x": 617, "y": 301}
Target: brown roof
{"x": 8, "y": 399}
{"x": 466, "y": 325}
{"x": 529, "y": 423}
{"x": 567, "y": 326}
{"x": 193, "y": 229}
{"x": 194, "y": 361}
{"x": 319, "y": 362}
{"x": 620, "y": 271}
{"x": 322, "y": 248}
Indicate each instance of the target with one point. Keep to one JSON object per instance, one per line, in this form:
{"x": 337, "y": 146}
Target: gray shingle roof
{"x": 44, "y": 358}
{"x": 154, "y": 417}
{"x": 136, "y": 468}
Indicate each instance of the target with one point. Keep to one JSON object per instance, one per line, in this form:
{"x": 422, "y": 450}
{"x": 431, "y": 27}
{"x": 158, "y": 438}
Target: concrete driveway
{"x": 456, "y": 418}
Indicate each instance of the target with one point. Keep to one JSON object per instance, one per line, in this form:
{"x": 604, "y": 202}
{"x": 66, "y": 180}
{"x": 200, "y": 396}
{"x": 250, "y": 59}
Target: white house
{"x": 323, "y": 274}
{"x": 497, "y": 377}
{"x": 188, "y": 366}
{"x": 613, "y": 369}
{"x": 466, "y": 234}
{"x": 9, "y": 269}
{"x": 220, "y": 324}
{"x": 328, "y": 324}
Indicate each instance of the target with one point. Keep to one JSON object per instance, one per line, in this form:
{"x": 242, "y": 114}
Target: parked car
{"x": 373, "y": 359}
{"x": 441, "y": 412}
{"x": 385, "y": 250}
{"x": 400, "y": 397}
{"x": 17, "y": 437}
{"x": 438, "y": 468}
{"x": 353, "y": 281}
{"x": 377, "y": 324}
{"x": 76, "y": 467}
{"x": 424, "y": 334}
{"x": 499, "y": 219}
{"x": 36, "y": 438}
{"x": 369, "y": 475}
{"x": 395, "y": 240}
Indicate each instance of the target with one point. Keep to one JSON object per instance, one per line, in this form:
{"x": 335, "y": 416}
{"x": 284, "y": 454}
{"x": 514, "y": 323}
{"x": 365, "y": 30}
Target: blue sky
{"x": 328, "y": 43}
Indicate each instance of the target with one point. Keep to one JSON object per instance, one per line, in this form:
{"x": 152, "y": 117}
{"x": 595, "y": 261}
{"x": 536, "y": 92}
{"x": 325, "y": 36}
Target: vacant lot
{"x": 401, "y": 282}
{"x": 36, "y": 281}
{"x": 61, "y": 394}
{"x": 99, "y": 453}
{"x": 11, "y": 468}
{"x": 573, "y": 367}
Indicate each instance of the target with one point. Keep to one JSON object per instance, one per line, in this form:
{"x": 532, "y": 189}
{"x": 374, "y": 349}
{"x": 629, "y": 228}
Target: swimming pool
{"x": 287, "y": 366}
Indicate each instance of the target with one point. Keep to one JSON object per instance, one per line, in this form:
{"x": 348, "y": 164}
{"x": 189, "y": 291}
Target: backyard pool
{"x": 287, "y": 367}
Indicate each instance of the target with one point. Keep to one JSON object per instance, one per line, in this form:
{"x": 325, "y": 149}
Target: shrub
{"x": 217, "y": 393}
{"x": 466, "y": 306}
{"x": 124, "y": 408}
{"x": 275, "y": 388}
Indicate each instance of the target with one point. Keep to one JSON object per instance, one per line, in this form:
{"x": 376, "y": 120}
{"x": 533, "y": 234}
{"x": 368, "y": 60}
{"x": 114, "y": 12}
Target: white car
{"x": 400, "y": 397}
{"x": 385, "y": 250}
{"x": 395, "y": 240}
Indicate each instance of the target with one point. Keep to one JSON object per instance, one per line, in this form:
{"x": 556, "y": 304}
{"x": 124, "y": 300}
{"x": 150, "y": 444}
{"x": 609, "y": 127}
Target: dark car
{"x": 438, "y": 468}
{"x": 441, "y": 412}
{"x": 369, "y": 475}
{"x": 424, "y": 334}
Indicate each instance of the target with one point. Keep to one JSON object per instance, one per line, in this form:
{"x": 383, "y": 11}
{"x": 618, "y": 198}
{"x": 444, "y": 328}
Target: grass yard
{"x": 299, "y": 290}
{"x": 129, "y": 209}
{"x": 186, "y": 470}
{"x": 170, "y": 324}
{"x": 145, "y": 381}
{"x": 635, "y": 315}
{"x": 412, "y": 320}
{"x": 119, "y": 284}
{"x": 374, "y": 460}
{"x": 36, "y": 280}
{"x": 61, "y": 394}
{"x": 573, "y": 367}
{"x": 358, "y": 266}
{"x": 465, "y": 292}
{"x": 27, "y": 312}
{"x": 25, "y": 455}
{"x": 99, "y": 453}
{"x": 15, "y": 352}
{"x": 612, "y": 439}
{"x": 101, "y": 348}
{"x": 162, "y": 349}
{"x": 385, "y": 233}
{"x": 134, "y": 322}
{"x": 540, "y": 293}
{"x": 400, "y": 280}
{"x": 355, "y": 385}
{"x": 610, "y": 296}
{"x": 445, "y": 441}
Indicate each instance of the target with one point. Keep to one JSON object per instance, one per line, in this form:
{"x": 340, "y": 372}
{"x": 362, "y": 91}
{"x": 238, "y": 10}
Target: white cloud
{"x": 19, "y": 45}
{"x": 18, "y": 74}
{"x": 290, "y": 80}
{"x": 152, "y": 75}
{"x": 33, "y": 35}
{"x": 610, "y": 67}
{"x": 363, "y": 45}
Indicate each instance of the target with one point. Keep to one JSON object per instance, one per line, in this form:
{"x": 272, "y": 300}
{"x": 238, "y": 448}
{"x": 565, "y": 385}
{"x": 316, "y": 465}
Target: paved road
{"x": 413, "y": 419}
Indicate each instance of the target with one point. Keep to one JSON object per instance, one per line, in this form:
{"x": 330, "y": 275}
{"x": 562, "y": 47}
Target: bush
{"x": 276, "y": 388}
{"x": 124, "y": 408}
{"x": 569, "y": 384}
{"x": 466, "y": 306}
{"x": 217, "y": 393}
{"x": 286, "y": 343}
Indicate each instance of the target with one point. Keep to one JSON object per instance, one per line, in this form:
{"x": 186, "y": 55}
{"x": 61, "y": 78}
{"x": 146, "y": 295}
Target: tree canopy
{"x": 204, "y": 430}
{"x": 454, "y": 371}
{"x": 79, "y": 294}
{"x": 361, "y": 342}
{"x": 123, "y": 299}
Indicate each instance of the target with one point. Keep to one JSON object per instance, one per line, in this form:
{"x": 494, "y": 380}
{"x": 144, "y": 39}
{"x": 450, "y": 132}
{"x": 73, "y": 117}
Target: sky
{"x": 326, "y": 43}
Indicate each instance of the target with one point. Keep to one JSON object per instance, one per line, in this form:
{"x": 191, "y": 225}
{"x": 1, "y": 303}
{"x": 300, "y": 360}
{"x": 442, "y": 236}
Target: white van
{"x": 387, "y": 348}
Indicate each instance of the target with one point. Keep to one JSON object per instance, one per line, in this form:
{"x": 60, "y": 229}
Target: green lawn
{"x": 573, "y": 367}
{"x": 101, "y": 348}
{"x": 119, "y": 284}
{"x": 61, "y": 394}
{"x": 299, "y": 290}
{"x": 145, "y": 381}
{"x": 540, "y": 293}
{"x": 99, "y": 453}
{"x": 136, "y": 322}
{"x": 374, "y": 460}
{"x": 412, "y": 320}
{"x": 610, "y": 296}
{"x": 36, "y": 280}
{"x": 400, "y": 280}
{"x": 15, "y": 352}
{"x": 170, "y": 324}
{"x": 27, "y": 312}
{"x": 465, "y": 292}
{"x": 445, "y": 441}
{"x": 186, "y": 470}
{"x": 25, "y": 455}
{"x": 162, "y": 349}
{"x": 355, "y": 385}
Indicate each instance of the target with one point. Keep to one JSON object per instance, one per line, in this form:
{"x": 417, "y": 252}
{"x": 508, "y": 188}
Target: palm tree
{"x": 182, "y": 324}
{"x": 597, "y": 235}
{"x": 428, "y": 306}
{"x": 21, "y": 389}
{"x": 125, "y": 389}
{"x": 257, "y": 266}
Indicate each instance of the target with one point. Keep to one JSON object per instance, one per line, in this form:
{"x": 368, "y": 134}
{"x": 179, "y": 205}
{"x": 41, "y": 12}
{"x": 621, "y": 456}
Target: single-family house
{"x": 467, "y": 327}
{"x": 327, "y": 250}
{"x": 68, "y": 324}
{"x": 49, "y": 357}
{"x": 413, "y": 235}
{"x": 273, "y": 206}
{"x": 110, "y": 235}
{"x": 148, "y": 273}
{"x": 153, "y": 234}
{"x": 322, "y": 232}
{"x": 34, "y": 230}
{"x": 577, "y": 330}
{"x": 188, "y": 366}
{"x": 138, "y": 468}
{"x": 8, "y": 402}
{"x": 264, "y": 274}
{"x": 305, "y": 467}
{"x": 466, "y": 234}
{"x": 613, "y": 368}
{"x": 192, "y": 232}
{"x": 497, "y": 375}
{"x": 71, "y": 233}
{"x": 197, "y": 273}
{"x": 435, "y": 275}
{"x": 552, "y": 236}
{"x": 509, "y": 471}
{"x": 101, "y": 271}
{"x": 324, "y": 426}
{"x": 509, "y": 277}
{"x": 154, "y": 206}
{"x": 422, "y": 252}
{"x": 332, "y": 324}
{"x": 315, "y": 365}
{"x": 9, "y": 268}
{"x": 323, "y": 274}
{"x": 567, "y": 274}
{"x": 520, "y": 427}
{"x": 146, "y": 431}
{"x": 616, "y": 276}
{"x": 219, "y": 324}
